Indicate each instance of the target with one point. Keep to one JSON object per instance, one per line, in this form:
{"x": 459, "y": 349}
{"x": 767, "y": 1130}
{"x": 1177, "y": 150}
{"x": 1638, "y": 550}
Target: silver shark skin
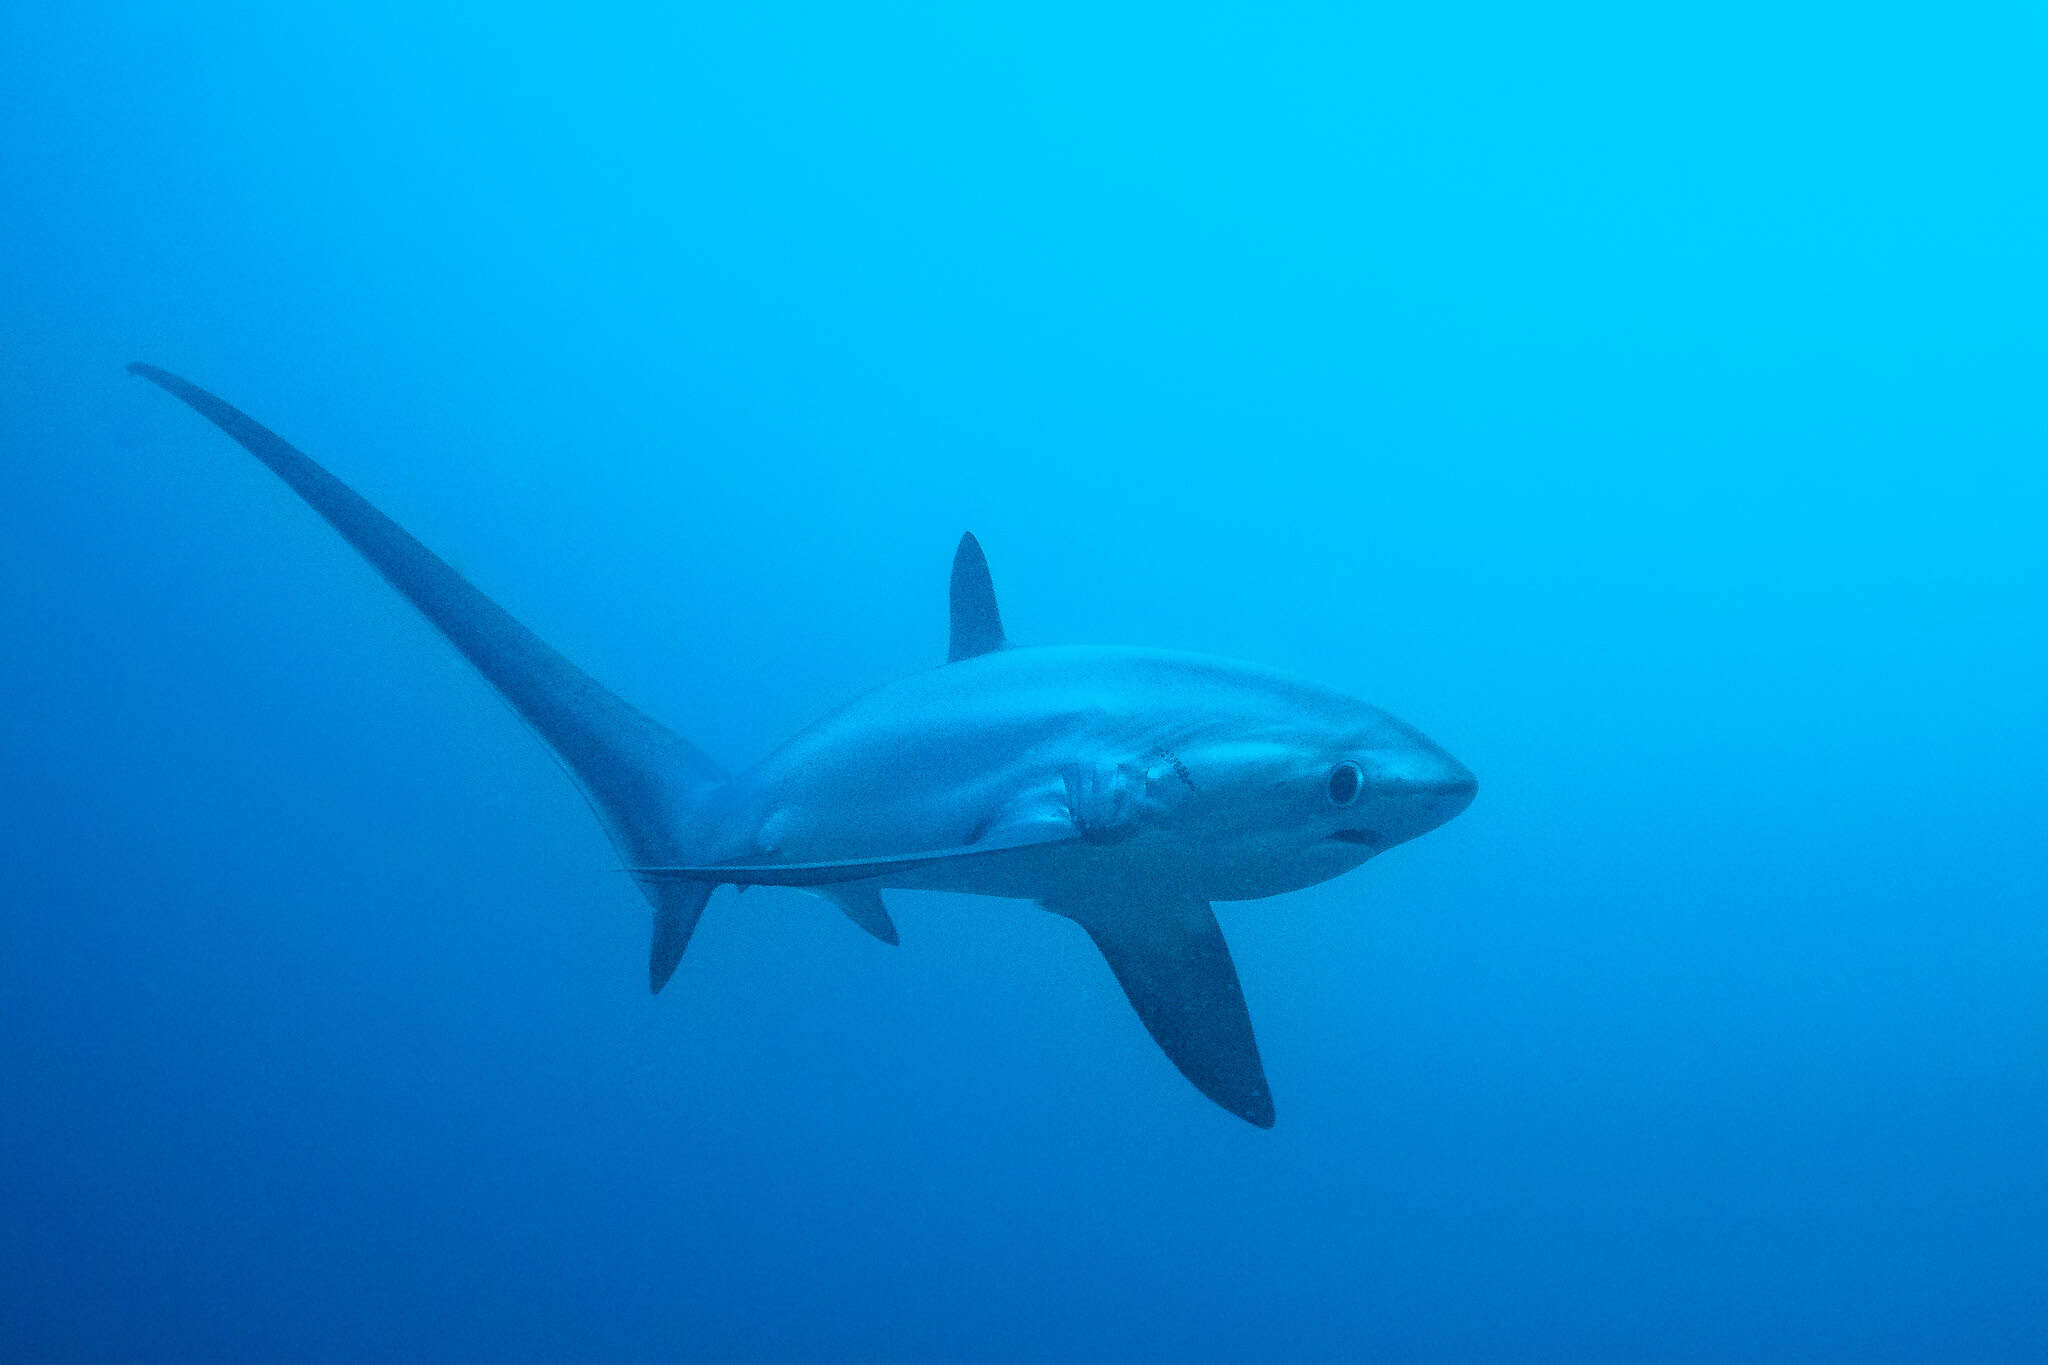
{"x": 1124, "y": 789}
{"x": 1202, "y": 774}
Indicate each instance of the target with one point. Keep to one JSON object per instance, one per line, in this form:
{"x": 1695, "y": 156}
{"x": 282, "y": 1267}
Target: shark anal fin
{"x": 862, "y": 903}
{"x": 677, "y": 908}
{"x": 1168, "y": 954}
{"x": 977, "y": 627}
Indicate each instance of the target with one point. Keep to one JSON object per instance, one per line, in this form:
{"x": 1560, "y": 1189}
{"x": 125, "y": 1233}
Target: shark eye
{"x": 1346, "y": 781}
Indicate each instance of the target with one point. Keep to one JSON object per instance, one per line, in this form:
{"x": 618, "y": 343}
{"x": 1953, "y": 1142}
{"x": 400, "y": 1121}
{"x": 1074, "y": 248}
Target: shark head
{"x": 1392, "y": 784}
{"x": 1283, "y": 785}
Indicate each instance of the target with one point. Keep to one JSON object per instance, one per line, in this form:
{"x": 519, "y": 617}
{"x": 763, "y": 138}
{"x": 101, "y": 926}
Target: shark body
{"x": 1125, "y": 789}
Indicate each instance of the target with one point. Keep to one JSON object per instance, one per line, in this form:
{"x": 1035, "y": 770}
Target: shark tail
{"x": 644, "y": 783}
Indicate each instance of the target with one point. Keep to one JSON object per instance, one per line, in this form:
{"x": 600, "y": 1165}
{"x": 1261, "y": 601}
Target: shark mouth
{"x": 1368, "y": 837}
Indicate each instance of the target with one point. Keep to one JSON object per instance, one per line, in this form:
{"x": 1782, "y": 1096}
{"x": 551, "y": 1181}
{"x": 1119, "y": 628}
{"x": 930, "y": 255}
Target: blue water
{"x": 1646, "y": 404}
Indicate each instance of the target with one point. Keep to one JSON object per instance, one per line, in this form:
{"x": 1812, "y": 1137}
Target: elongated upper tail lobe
{"x": 642, "y": 780}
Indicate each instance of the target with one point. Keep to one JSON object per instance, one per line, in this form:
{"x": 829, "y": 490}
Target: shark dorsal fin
{"x": 977, "y": 625}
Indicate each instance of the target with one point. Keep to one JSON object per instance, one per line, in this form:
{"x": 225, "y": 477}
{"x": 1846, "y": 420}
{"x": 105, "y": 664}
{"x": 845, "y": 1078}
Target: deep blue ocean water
{"x": 1645, "y": 403}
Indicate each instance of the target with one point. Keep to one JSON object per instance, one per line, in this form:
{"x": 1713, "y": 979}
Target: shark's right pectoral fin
{"x": 1169, "y": 956}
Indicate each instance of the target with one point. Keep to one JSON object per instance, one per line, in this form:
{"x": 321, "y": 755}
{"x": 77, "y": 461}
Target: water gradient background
{"x": 1648, "y": 407}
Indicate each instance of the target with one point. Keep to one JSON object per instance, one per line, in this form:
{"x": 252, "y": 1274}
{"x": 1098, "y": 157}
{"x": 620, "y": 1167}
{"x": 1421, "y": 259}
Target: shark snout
{"x": 1429, "y": 790}
{"x": 1446, "y": 794}
{"x": 1407, "y": 798}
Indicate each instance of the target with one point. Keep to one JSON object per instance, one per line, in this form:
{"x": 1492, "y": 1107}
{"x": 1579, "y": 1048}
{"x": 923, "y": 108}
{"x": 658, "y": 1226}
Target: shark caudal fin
{"x": 642, "y": 781}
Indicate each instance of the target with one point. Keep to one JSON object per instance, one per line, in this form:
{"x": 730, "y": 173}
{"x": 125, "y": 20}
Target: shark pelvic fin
{"x": 862, "y": 903}
{"x": 677, "y": 907}
{"x": 977, "y": 625}
{"x": 1168, "y": 954}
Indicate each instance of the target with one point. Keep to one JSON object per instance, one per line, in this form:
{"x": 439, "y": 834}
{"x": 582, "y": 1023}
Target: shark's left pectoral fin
{"x": 838, "y": 871}
{"x": 1169, "y": 956}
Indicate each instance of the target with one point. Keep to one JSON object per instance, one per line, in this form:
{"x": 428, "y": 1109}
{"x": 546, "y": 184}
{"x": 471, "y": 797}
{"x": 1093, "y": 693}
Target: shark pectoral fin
{"x": 862, "y": 902}
{"x": 839, "y": 871}
{"x": 1168, "y": 954}
{"x": 677, "y": 907}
